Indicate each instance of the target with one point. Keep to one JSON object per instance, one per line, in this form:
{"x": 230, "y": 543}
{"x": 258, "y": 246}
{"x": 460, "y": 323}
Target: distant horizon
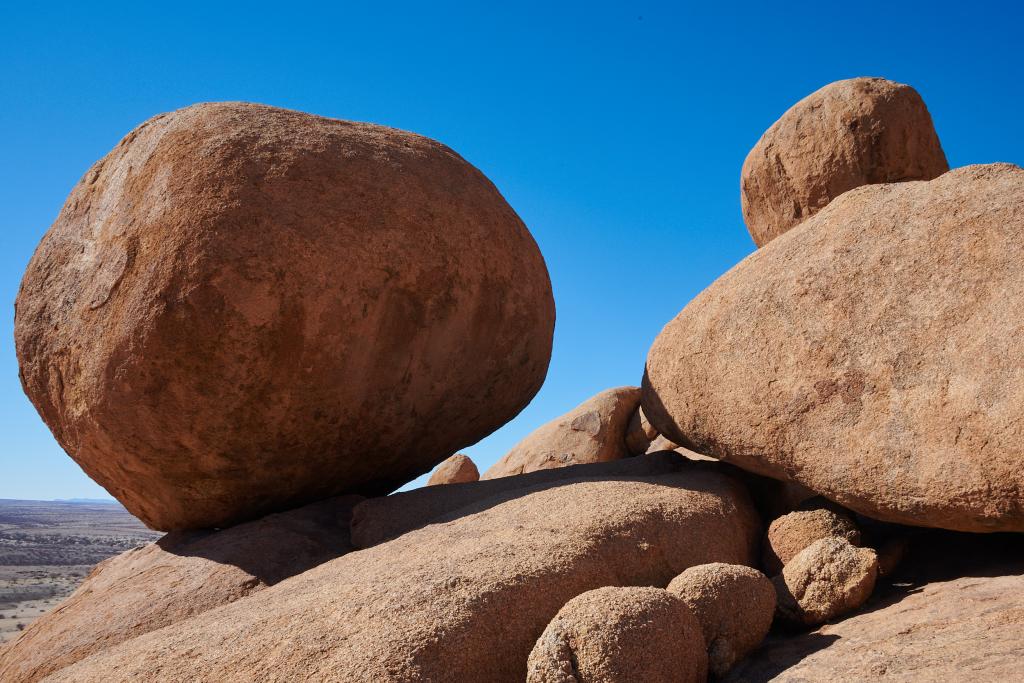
{"x": 616, "y": 132}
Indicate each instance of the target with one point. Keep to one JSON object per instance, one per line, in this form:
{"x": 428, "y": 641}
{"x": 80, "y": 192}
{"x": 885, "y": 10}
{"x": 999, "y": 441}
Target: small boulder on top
{"x": 860, "y": 131}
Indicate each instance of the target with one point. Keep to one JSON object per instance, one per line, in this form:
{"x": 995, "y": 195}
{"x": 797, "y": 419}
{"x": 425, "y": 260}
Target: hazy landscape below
{"x": 48, "y": 547}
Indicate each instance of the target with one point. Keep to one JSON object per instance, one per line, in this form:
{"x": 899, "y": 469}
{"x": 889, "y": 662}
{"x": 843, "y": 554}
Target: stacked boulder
{"x": 242, "y": 309}
{"x": 861, "y": 131}
{"x": 186, "y": 331}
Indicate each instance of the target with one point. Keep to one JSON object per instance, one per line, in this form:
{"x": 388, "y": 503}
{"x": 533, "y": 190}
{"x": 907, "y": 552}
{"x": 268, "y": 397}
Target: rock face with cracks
{"x": 194, "y": 326}
{"x": 860, "y": 131}
{"x": 620, "y": 635}
{"x": 734, "y": 605}
{"x": 181, "y": 575}
{"x": 457, "y": 469}
{"x": 826, "y": 579}
{"x": 463, "y": 599}
{"x": 594, "y": 431}
{"x": 872, "y": 354}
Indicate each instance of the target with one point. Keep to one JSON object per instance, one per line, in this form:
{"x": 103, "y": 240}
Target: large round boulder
{"x": 620, "y": 635}
{"x": 243, "y": 308}
{"x": 872, "y": 354}
{"x": 850, "y": 133}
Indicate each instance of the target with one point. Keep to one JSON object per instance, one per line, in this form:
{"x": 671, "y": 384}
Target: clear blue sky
{"x": 616, "y": 130}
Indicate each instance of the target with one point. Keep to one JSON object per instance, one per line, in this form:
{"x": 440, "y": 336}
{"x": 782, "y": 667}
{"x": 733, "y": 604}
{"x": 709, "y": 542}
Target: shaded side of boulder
{"x": 872, "y": 354}
{"x": 594, "y": 431}
{"x": 464, "y": 599}
{"x": 621, "y": 635}
{"x": 376, "y": 520}
{"x": 791, "y": 533}
{"x": 239, "y": 303}
{"x": 826, "y": 579}
{"x": 179, "y": 576}
{"x": 457, "y": 469}
{"x": 850, "y": 133}
{"x": 735, "y": 606}
{"x": 640, "y": 434}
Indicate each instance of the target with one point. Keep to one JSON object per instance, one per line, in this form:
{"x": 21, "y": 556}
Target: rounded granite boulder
{"x": 242, "y": 308}
{"x": 860, "y": 131}
{"x": 872, "y": 355}
{"x": 620, "y": 635}
{"x": 734, "y": 605}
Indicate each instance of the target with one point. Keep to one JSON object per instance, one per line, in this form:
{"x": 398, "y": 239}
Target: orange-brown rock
{"x": 826, "y": 579}
{"x": 380, "y": 519}
{"x": 872, "y": 354}
{"x": 641, "y": 434}
{"x": 594, "y": 431}
{"x": 850, "y": 133}
{"x": 167, "y": 582}
{"x": 955, "y": 613}
{"x": 457, "y": 469}
{"x": 734, "y": 605}
{"x": 793, "y": 532}
{"x": 241, "y": 309}
{"x": 621, "y": 635}
{"x": 463, "y": 599}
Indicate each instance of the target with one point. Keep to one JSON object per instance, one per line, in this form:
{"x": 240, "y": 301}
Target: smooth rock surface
{"x": 850, "y": 133}
{"x": 181, "y": 575}
{"x": 380, "y": 519}
{"x": 734, "y": 605}
{"x": 825, "y": 580}
{"x": 621, "y": 635}
{"x": 457, "y": 469}
{"x": 872, "y": 354}
{"x": 594, "y": 431}
{"x": 459, "y": 600}
{"x": 242, "y": 309}
{"x": 793, "y": 532}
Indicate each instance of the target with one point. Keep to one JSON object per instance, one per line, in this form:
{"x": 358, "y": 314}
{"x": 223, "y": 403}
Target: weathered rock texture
{"x": 850, "y": 133}
{"x": 621, "y": 635}
{"x": 179, "y": 576}
{"x": 954, "y": 615}
{"x": 873, "y": 354}
{"x": 594, "y": 431}
{"x": 735, "y": 606}
{"x": 462, "y": 600}
{"x": 194, "y": 328}
{"x": 793, "y": 532}
{"x": 457, "y": 469}
{"x": 826, "y": 579}
{"x": 376, "y": 520}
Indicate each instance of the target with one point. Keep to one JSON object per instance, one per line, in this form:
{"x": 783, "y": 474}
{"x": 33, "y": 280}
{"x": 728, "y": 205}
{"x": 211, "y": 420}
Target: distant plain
{"x": 48, "y": 547}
